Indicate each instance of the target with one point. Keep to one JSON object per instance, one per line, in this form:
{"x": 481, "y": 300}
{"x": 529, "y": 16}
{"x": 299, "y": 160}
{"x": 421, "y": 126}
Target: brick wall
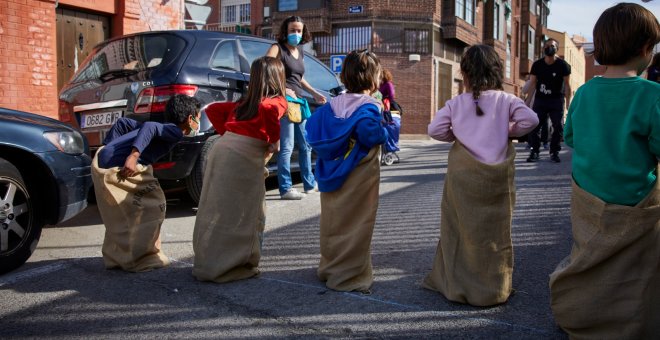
{"x": 28, "y": 77}
{"x": 150, "y": 15}
{"x": 28, "y": 50}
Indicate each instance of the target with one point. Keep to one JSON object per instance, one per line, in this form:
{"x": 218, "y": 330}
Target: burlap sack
{"x": 474, "y": 258}
{"x": 348, "y": 216}
{"x": 609, "y": 286}
{"x": 132, "y": 210}
{"x": 231, "y": 217}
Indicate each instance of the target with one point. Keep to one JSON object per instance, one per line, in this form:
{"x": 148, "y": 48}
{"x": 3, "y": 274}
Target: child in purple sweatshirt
{"x": 474, "y": 257}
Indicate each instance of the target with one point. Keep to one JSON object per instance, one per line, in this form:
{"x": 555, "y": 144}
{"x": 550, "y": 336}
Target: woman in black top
{"x": 293, "y": 34}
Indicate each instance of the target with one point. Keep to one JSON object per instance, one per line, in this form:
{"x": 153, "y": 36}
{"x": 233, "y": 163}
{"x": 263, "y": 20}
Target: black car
{"x": 134, "y": 76}
{"x": 45, "y": 174}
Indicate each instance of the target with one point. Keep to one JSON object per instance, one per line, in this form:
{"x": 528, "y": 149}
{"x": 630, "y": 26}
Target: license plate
{"x": 102, "y": 119}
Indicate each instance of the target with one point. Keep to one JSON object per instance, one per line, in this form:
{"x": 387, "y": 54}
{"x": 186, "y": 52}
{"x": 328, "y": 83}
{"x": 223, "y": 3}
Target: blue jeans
{"x": 288, "y": 133}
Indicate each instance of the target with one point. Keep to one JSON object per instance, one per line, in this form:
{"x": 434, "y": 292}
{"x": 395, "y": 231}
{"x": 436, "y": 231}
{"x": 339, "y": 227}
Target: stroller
{"x": 393, "y": 125}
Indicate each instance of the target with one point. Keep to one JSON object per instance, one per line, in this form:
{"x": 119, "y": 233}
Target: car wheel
{"x": 388, "y": 159}
{"x": 194, "y": 180}
{"x": 20, "y": 225}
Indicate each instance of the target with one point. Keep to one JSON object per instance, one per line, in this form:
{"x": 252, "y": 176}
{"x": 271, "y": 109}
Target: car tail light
{"x": 163, "y": 166}
{"x": 154, "y": 99}
{"x": 64, "y": 112}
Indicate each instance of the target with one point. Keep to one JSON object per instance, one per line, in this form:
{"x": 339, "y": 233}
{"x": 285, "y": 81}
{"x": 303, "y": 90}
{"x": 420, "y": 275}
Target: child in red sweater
{"x": 231, "y": 216}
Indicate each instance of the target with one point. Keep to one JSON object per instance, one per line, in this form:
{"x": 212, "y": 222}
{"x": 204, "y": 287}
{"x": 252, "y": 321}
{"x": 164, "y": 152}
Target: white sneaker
{"x": 312, "y": 190}
{"x": 292, "y": 194}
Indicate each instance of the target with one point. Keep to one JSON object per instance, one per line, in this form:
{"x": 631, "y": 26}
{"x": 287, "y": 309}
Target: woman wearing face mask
{"x": 293, "y": 34}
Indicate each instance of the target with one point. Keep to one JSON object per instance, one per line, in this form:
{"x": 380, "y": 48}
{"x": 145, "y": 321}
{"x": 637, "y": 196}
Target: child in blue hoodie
{"x": 346, "y": 135}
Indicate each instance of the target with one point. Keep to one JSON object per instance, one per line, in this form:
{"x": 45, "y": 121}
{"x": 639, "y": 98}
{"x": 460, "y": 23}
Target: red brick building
{"x": 422, "y": 41}
{"x": 42, "y": 42}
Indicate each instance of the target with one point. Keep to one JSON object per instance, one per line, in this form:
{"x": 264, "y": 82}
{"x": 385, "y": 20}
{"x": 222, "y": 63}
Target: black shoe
{"x": 533, "y": 157}
{"x": 555, "y": 158}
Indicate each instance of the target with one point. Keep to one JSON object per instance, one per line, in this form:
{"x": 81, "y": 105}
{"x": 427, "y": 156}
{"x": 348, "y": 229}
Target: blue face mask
{"x": 294, "y": 39}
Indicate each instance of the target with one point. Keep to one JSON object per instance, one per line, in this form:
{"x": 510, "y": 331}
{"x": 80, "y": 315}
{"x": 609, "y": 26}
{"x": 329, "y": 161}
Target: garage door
{"x": 77, "y": 33}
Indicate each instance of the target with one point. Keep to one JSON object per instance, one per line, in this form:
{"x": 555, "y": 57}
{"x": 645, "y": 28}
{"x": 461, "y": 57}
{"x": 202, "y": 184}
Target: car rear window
{"x": 131, "y": 54}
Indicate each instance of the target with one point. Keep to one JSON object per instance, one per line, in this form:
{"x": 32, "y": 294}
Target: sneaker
{"x": 312, "y": 190}
{"x": 545, "y": 146}
{"x": 292, "y": 194}
{"x": 533, "y": 157}
{"x": 555, "y": 158}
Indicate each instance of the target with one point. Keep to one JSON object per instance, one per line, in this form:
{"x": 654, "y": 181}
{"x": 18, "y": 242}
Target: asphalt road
{"x": 64, "y": 291}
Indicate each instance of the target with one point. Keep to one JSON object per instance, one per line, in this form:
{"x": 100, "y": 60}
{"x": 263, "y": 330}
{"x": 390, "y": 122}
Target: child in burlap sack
{"x": 128, "y": 196}
{"x": 609, "y": 285}
{"x": 231, "y": 217}
{"x": 474, "y": 257}
{"x": 346, "y": 135}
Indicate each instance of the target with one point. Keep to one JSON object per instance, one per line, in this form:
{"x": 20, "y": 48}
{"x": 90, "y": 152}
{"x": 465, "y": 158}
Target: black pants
{"x": 544, "y": 108}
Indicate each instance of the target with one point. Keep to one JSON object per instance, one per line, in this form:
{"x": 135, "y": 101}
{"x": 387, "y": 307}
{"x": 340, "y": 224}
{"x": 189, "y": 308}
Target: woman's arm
{"x": 317, "y": 96}
{"x": 273, "y": 51}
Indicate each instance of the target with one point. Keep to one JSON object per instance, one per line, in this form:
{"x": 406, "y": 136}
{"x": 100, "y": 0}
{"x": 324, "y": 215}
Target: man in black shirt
{"x": 550, "y": 77}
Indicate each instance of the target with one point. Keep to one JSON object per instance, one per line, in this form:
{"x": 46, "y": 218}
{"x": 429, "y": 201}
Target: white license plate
{"x": 102, "y": 119}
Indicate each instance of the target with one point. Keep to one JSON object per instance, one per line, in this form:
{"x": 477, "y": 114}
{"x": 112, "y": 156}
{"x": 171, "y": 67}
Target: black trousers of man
{"x": 544, "y": 108}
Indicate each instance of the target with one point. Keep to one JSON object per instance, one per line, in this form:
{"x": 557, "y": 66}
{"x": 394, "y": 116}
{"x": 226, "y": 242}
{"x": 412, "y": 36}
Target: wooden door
{"x": 77, "y": 33}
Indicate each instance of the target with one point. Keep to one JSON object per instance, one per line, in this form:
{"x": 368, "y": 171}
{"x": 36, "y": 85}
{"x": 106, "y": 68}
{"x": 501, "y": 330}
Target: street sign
{"x": 355, "y": 9}
{"x": 335, "y": 63}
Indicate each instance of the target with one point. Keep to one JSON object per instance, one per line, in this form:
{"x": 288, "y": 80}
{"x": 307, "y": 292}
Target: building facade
{"x": 421, "y": 42}
{"x": 42, "y": 42}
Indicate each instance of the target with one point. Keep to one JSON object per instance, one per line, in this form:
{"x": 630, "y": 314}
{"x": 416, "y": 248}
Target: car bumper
{"x": 73, "y": 176}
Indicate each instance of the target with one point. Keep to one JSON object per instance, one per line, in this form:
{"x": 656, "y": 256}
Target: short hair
{"x": 622, "y": 32}
{"x": 284, "y": 30}
{"x": 484, "y": 70}
{"x": 387, "y": 75}
{"x": 179, "y": 107}
{"x": 360, "y": 71}
{"x": 551, "y": 39}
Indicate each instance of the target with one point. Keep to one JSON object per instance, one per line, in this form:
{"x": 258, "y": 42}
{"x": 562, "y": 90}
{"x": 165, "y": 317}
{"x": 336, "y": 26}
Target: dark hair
{"x": 284, "y": 30}
{"x": 267, "y": 80}
{"x": 179, "y": 107}
{"x": 482, "y": 70}
{"x": 622, "y": 32}
{"x": 360, "y": 71}
{"x": 387, "y": 76}
{"x": 551, "y": 39}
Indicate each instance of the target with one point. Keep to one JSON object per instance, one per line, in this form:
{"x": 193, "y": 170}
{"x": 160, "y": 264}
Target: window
{"x": 530, "y": 43}
{"x": 387, "y": 38}
{"x": 417, "y": 41}
{"x": 244, "y": 13}
{"x": 344, "y": 39}
{"x": 287, "y": 5}
{"x": 465, "y": 10}
{"x": 229, "y": 14}
{"x": 254, "y": 49}
{"x": 532, "y": 6}
{"x": 319, "y": 76}
{"x": 496, "y": 21}
{"x": 225, "y": 57}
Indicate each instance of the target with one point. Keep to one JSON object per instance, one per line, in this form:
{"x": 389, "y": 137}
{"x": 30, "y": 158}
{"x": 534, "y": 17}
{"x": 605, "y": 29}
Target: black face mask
{"x": 550, "y": 51}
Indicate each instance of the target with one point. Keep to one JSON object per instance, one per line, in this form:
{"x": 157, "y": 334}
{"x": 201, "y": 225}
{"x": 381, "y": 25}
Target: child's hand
{"x": 130, "y": 166}
{"x": 291, "y": 93}
{"x": 272, "y": 148}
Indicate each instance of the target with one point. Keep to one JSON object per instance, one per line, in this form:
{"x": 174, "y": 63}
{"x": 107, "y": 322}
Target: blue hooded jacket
{"x": 340, "y": 144}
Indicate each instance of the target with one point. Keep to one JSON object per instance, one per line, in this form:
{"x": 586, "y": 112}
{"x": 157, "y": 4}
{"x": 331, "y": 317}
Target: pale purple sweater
{"x": 486, "y": 137}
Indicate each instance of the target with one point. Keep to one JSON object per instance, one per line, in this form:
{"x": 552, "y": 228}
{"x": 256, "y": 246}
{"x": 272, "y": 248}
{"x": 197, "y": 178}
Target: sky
{"x": 579, "y": 16}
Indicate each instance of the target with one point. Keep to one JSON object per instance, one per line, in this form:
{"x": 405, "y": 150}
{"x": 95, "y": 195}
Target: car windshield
{"x": 130, "y": 55}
